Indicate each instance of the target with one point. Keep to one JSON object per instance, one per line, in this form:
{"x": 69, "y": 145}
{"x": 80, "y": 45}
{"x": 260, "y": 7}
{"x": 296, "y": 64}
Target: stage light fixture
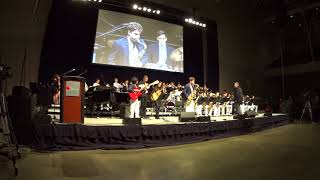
{"x": 197, "y": 23}
{"x": 186, "y": 20}
{"x": 144, "y": 9}
{"x": 149, "y": 10}
{"x": 135, "y": 6}
{"x": 100, "y": 0}
{"x": 204, "y": 25}
{"x": 154, "y": 11}
{"x": 94, "y": 0}
{"x": 158, "y": 11}
{"x": 291, "y": 16}
{"x": 139, "y": 8}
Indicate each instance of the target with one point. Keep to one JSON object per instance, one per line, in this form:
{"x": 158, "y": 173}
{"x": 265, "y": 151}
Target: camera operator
{"x": 315, "y": 106}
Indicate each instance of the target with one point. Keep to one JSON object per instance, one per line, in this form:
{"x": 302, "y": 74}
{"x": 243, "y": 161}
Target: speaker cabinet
{"x": 203, "y": 119}
{"x": 187, "y": 117}
{"x": 239, "y": 116}
{"x": 132, "y": 121}
{"x": 250, "y": 114}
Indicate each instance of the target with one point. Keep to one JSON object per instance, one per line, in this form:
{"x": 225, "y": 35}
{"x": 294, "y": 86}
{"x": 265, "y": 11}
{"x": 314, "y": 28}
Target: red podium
{"x": 72, "y": 99}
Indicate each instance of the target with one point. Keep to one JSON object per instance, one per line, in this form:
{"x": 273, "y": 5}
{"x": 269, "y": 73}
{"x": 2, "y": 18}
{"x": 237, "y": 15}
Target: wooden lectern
{"x": 72, "y": 99}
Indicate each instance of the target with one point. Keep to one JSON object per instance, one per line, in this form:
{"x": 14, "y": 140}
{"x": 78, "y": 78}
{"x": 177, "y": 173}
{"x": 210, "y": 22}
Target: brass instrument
{"x": 193, "y": 96}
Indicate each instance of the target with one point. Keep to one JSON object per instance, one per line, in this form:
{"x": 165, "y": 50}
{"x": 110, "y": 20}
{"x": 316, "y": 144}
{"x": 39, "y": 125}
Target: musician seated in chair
{"x": 97, "y": 83}
{"x": 158, "y": 53}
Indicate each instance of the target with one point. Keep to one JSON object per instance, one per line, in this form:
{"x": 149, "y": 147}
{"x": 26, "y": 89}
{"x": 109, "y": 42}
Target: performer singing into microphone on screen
{"x": 128, "y": 51}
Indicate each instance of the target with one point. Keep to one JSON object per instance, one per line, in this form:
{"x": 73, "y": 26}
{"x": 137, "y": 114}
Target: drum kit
{"x": 173, "y": 101}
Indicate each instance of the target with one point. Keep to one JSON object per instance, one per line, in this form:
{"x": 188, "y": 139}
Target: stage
{"x": 164, "y": 120}
{"x": 109, "y": 133}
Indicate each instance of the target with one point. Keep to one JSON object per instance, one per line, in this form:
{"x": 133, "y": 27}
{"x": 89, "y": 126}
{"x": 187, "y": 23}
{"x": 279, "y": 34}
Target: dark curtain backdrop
{"x": 70, "y": 36}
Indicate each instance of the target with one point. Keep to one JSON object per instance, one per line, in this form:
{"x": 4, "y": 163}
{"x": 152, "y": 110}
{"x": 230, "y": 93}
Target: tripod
{"x": 306, "y": 106}
{"x": 11, "y": 143}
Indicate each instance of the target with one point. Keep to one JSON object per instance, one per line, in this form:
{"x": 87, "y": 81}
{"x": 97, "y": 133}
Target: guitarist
{"x": 144, "y": 96}
{"x": 158, "y": 93}
{"x": 134, "y": 93}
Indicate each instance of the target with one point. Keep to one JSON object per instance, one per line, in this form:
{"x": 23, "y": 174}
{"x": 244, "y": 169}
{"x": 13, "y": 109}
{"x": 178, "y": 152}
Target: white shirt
{"x": 133, "y": 53}
{"x": 191, "y": 88}
{"x": 162, "y": 55}
{"x": 117, "y": 86}
{"x": 95, "y": 84}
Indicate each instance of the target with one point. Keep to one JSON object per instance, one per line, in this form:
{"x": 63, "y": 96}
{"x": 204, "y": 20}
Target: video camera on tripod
{"x": 5, "y": 72}
{"x": 6, "y": 129}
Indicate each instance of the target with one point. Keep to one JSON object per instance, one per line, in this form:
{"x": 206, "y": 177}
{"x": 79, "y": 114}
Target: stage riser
{"x": 83, "y": 137}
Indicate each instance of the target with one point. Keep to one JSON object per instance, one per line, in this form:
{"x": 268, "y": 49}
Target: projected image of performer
{"x": 128, "y": 51}
{"x": 158, "y": 53}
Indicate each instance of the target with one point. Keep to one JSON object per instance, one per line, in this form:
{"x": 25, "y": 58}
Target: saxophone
{"x": 193, "y": 96}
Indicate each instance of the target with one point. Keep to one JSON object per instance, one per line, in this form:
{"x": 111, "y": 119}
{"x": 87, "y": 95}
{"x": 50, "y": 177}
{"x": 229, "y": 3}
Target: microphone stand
{"x": 84, "y": 72}
{"x": 65, "y": 73}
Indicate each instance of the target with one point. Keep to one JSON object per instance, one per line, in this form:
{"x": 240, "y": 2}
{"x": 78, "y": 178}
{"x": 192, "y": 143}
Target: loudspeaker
{"x": 187, "y": 117}
{"x": 44, "y": 98}
{"x": 250, "y": 114}
{"x": 132, "y": 121}
{"x": 239, "y": 116}
{"x": 20, "y": 111}
{"x": 203, "y": 119}
{"x": 124, "y": 111}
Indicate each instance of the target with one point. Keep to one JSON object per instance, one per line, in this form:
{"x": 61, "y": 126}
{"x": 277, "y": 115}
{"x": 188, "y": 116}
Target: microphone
{"x": 63, "y": 74}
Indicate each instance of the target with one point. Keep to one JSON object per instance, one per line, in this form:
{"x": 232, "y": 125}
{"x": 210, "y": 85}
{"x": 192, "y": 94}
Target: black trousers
{"x": 236, "y": 108}
{"x": 157, "y": 105}
{"x": 143, "y": 107}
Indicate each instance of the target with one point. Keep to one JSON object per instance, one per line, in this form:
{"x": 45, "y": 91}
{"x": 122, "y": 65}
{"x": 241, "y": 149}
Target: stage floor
{"x": 164, "y": 120}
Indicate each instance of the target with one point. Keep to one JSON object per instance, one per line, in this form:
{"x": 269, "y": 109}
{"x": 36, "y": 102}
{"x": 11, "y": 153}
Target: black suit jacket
{"x": 152, "y": 54}
{"x": 238, "y": 96}
{"x": 187, "y": 91}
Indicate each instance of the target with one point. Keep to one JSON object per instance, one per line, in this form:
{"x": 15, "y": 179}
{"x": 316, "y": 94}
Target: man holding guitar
{"x": 157, "y": 95}
{"x": 135, "y": 92}
{"x": 144, "y": 96}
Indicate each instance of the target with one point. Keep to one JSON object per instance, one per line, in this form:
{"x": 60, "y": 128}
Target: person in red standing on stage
{"x": 134, "y": 93}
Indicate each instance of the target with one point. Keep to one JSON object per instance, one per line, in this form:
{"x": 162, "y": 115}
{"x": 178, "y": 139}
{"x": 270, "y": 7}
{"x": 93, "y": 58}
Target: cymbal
{"x": 177, "y": 55}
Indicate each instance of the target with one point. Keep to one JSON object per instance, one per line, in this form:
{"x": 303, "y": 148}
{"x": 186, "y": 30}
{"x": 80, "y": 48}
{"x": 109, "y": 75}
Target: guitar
{"x": 147, "y": 86}
{"x": 137, "y": 91}
{"x": 156, "y": 94}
